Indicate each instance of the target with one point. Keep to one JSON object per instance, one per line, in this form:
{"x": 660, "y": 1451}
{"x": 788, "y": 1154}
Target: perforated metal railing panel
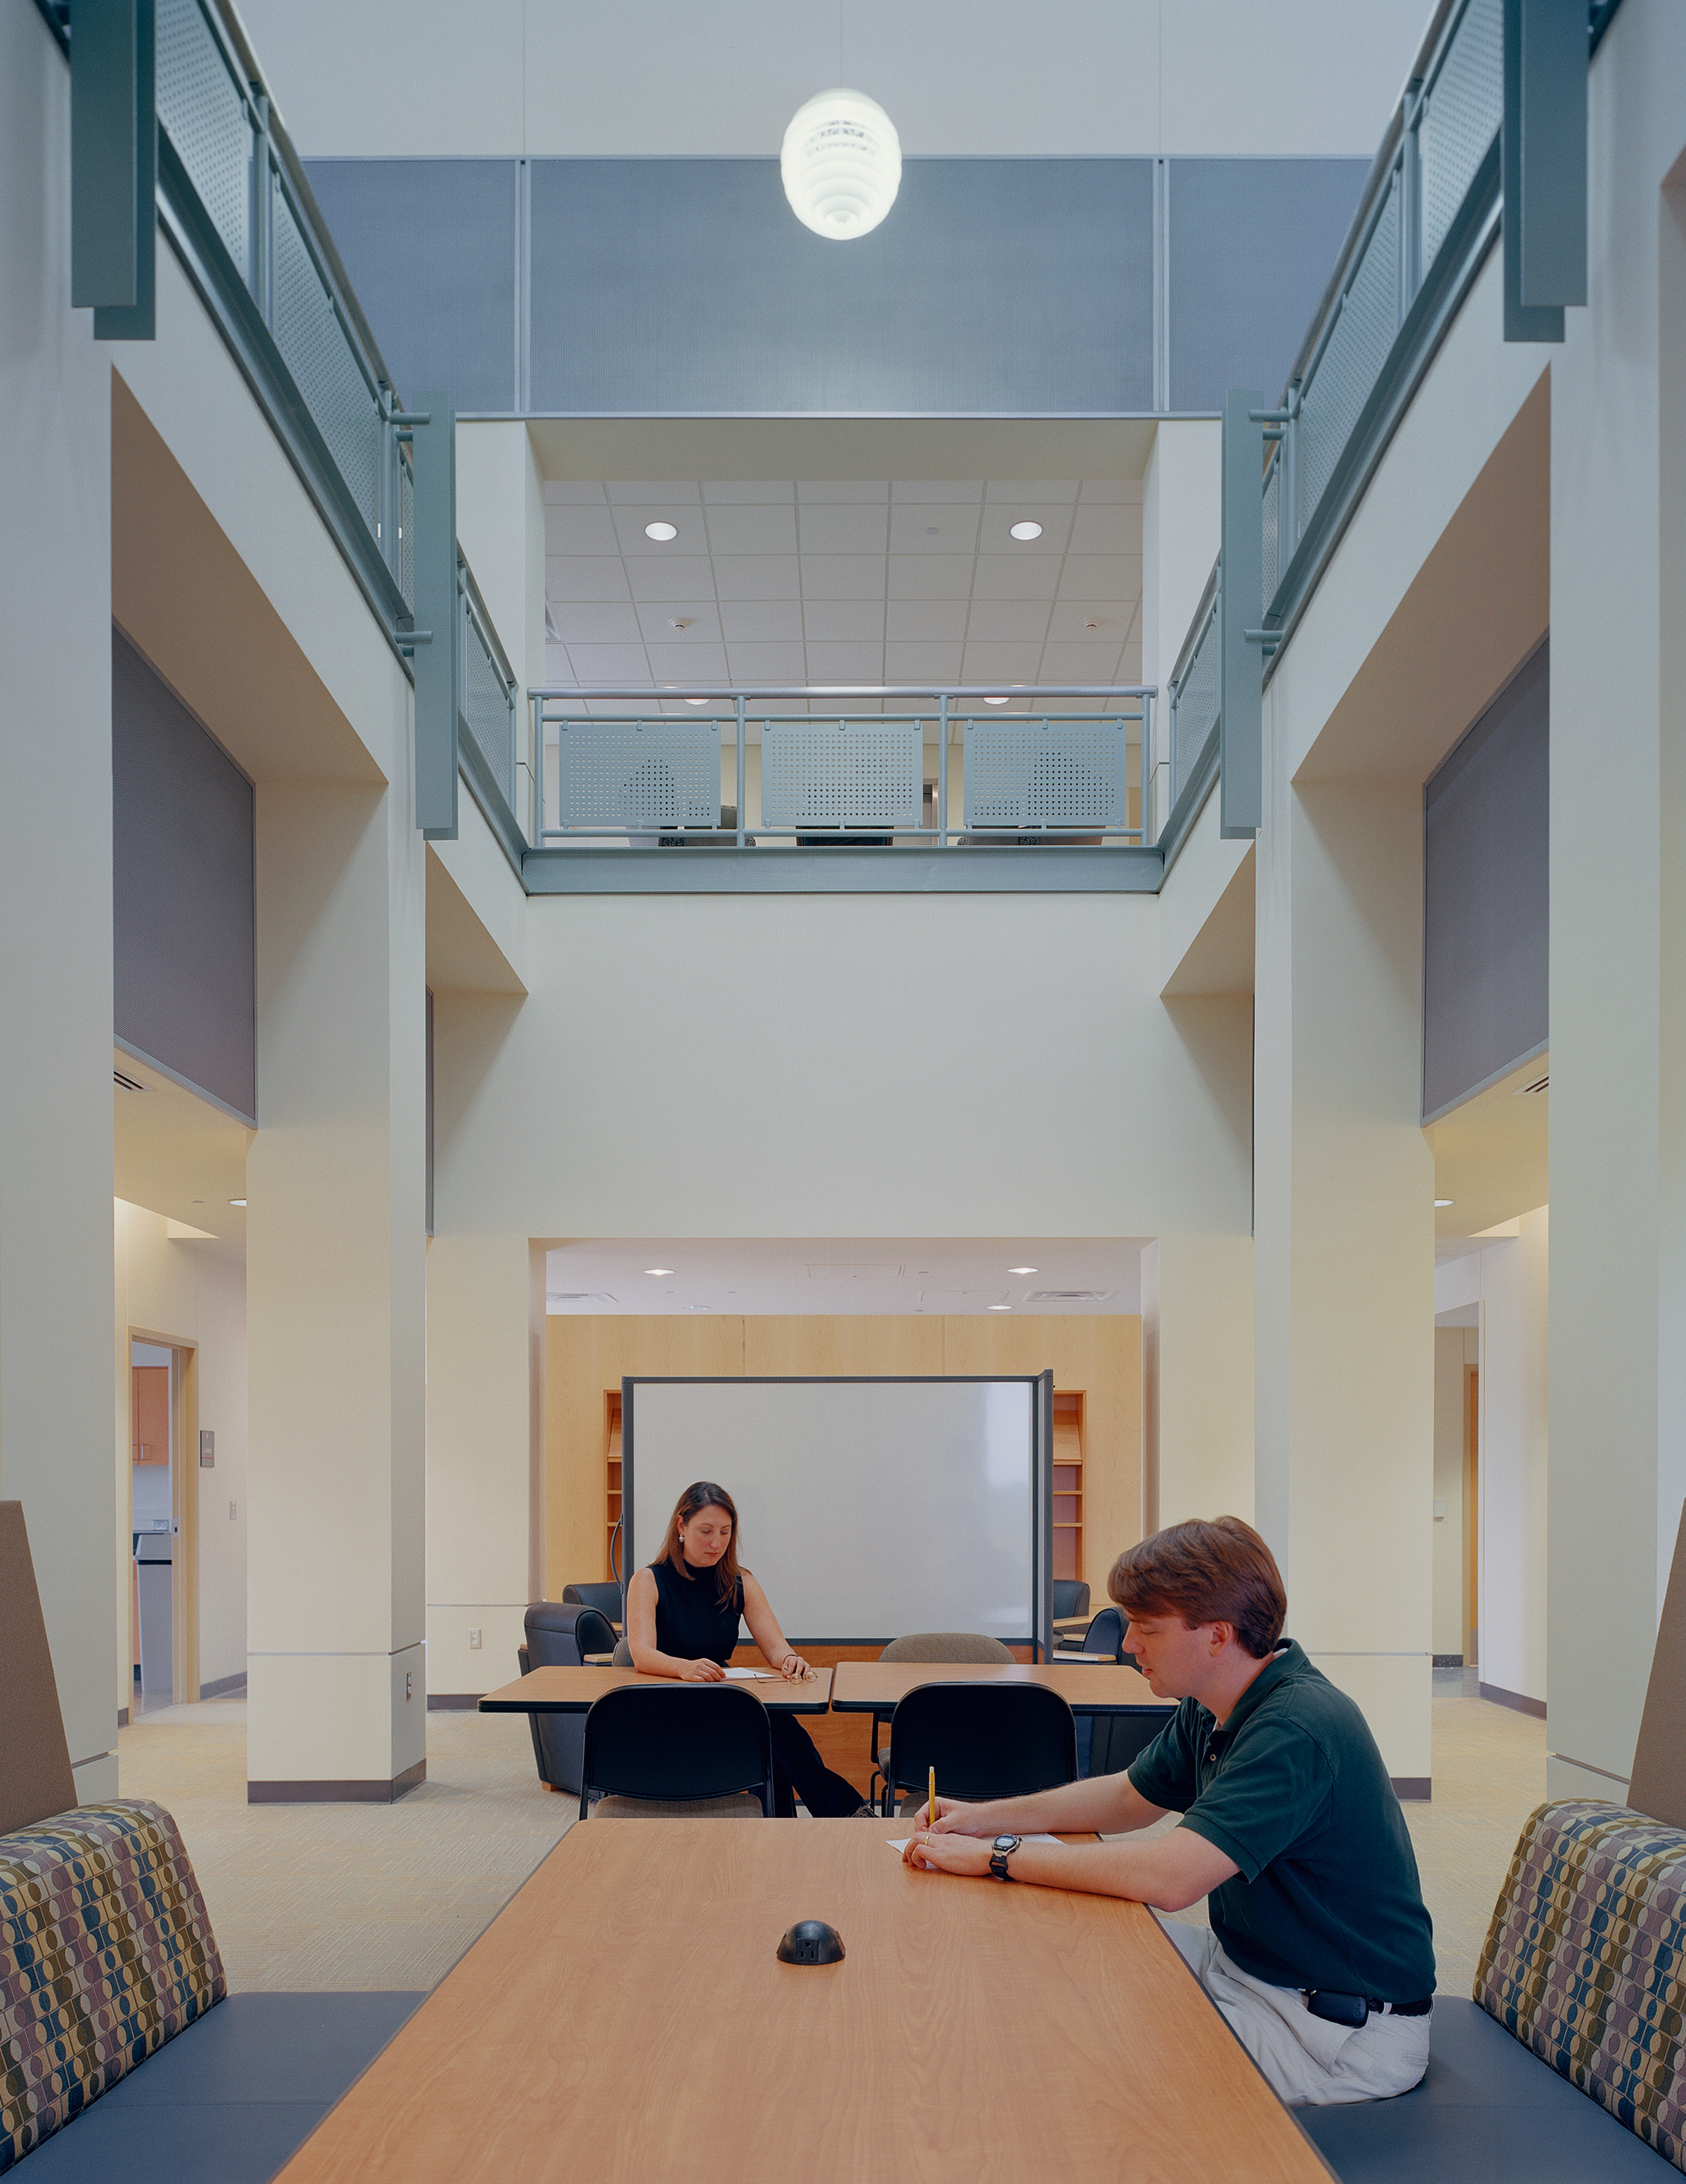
{"x": 405, "y": 557}
{"x": 488, "y": 710}
{"x": 1194, "y": 713}
{"x": 325, "y": 368}
{"x": 200, "y": 108}
{"x": 1355, "y": 352}
{"x": 1272, "y": 538}
{"x": 1460, "y": 117}
{"x": 1034, "y": 772}
{"x": 643, "y": 775}
{"x": 842, "y": 773}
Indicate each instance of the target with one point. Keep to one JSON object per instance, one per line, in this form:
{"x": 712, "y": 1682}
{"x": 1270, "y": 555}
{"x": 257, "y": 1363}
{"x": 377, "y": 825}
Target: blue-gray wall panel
{"x": 430, "y": 248}
{"x": 994, "y": 285}
{"x": 1253, "y": 243}
{"x": 1487, "y": 893}
{"x": 182, "y": 870}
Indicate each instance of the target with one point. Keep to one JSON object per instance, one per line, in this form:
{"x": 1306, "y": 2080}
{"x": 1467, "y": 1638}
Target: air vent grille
{"x": 128, "y": 1083}
{"x": 578, "y": 1296}
{"x": 1539, "y": 1085}
{"x": 1068, "y": 1296}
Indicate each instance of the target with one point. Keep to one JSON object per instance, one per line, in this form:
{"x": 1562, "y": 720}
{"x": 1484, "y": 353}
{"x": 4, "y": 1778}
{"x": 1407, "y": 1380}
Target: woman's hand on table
{"x": 794, "y": 1668}
{"x": 702, "y": 1672}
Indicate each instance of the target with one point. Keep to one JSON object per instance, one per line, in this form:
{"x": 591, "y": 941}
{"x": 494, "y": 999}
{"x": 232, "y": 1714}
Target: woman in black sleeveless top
{"x": 681, "y": 1620}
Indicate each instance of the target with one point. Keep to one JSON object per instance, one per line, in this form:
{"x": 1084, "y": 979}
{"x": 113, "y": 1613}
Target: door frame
{"x": 184, "y": 1498}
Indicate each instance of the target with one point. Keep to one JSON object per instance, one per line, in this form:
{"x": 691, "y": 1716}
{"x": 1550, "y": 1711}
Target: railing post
{"x": 438, "y": 610}
{"x": 1288, "y": 490}
{"x": 263, "y": 211}
{"x": 1240, "y": 610}
{"x": 114, "y": 168}
{"x": 743, "y": 773}
{"x": 943, "y": 771}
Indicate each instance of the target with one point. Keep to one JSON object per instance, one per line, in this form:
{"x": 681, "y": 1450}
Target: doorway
{"x": 162, "y": 1527}
{"x": 1472, "y": 1516}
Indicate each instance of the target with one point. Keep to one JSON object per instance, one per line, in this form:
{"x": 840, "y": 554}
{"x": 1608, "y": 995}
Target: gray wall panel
{"x": 1253, "y": 243}
{"x": 1017, "y": 286}
{"x": 430, "y": 248}
{"x": 182, "y": 873}
{"x": 1486, "y": 894}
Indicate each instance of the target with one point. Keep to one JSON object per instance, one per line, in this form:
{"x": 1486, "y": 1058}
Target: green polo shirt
{"x": 1293, "y": 1788}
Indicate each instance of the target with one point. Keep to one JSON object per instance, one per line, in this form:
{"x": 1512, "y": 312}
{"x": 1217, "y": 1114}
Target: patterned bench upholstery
{"x": 106, "y": 1952}
{"x": 1585, "y": 1961}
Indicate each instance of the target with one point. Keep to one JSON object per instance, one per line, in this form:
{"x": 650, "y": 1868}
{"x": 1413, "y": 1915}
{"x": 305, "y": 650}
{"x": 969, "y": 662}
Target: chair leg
{"x": 584, "y": 1795}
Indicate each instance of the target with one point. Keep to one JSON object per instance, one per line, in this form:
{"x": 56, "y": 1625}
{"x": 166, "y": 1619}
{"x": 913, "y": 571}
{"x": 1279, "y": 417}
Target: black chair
{"x": 605, "y": 1598}
{"x": 1071, "y": 1596}
{"x": 1117, "y": 1739}
{"x": 984, "y": 1740}
{"x": 560, "y": 1637}
{"x": 677, "y": 1743}
{"x": 1105, "y": 1635}
{"x": 925, "y": 1645}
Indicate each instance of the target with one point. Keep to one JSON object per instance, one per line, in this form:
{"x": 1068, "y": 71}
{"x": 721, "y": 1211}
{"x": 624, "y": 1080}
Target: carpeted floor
{"x": 390, "y": 1896}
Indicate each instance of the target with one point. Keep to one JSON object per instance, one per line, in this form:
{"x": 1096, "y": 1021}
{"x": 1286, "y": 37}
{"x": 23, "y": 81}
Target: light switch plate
{"x": 1439, "y": 1508}
{"x": 208, "y": 1449}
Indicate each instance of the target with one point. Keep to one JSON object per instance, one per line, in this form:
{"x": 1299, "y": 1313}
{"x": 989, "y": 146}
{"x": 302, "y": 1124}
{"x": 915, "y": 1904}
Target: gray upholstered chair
{"x": 560, "y": 1637}
{"x": 930, "y": 1646}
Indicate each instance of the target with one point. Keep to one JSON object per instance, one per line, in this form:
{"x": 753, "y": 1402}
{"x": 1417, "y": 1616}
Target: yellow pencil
{"x": 931, "y": 1809}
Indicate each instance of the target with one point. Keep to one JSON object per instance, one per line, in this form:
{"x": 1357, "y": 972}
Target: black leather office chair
{"x": 969, "y": 1645}
{"x": 606, "y": 1599}
{"x": 1105, "y": 1635}
{"x": 1071, "y": 1596}
{"x": 683, "y": 1745}
{"x": 984, "y": 1740}
{"x": 560, "y": 1637}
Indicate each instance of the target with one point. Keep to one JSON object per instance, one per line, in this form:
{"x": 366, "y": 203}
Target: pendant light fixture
{"x": 841, "y": 164}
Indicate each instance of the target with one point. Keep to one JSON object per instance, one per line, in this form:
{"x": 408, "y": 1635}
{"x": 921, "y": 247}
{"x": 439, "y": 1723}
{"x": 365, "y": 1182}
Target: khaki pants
{"x": 1309, "y": 2062}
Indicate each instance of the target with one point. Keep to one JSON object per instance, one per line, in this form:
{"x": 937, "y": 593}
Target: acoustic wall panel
{"x": 182, "y": 871}
{"x": 1252, "y": 245}
{"x": 430, "y": 248}
{"x": 1486, "y": 894}
{"x": 1015, "y": 286}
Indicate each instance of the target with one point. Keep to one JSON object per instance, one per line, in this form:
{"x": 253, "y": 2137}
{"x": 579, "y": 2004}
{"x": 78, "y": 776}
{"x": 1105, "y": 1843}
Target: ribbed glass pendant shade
{"x": 841, "y": 163}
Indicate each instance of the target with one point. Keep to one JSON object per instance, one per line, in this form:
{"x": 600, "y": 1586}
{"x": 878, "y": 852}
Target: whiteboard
{"x": 867, "y": 1508}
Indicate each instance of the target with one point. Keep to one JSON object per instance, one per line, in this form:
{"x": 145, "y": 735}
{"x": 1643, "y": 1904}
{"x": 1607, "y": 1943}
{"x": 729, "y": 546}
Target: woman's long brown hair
{"x": 705, "y": 1495}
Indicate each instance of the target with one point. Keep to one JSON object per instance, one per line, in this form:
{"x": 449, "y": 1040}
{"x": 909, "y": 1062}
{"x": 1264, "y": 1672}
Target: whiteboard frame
{"x": 1040, "y": 1637}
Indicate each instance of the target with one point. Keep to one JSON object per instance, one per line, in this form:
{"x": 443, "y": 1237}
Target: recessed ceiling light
{"x": 662, "y": 530}
{"x": 995, "y": 701}
{"x": 998, "y": 1308}
{"x": 659, "y": 1270}
{"x": 1442, "y": 1201}
{"x": 233, "y": 1201}
{"x": 1024, "y": 531}
{"x": 1024, "y": 1270}
{"x": 696, "y": 701}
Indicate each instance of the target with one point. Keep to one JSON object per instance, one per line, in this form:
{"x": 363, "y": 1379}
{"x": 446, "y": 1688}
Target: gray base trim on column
{"x": 1449, "y": 1660}
{"x": 337, "y": 1793}
{"x": 1500, "y": 1696}
{"x": 1413, "y": 1786}
{"x": 222, "y": 1686}
{"x": 453, "y": 1701}
{"x": 122, "y": 1716}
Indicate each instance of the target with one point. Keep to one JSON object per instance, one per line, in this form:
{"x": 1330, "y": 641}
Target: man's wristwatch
{"x": 1000, "y": 1852}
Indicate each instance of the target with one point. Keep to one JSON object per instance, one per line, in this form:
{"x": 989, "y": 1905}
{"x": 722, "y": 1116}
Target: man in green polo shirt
{"x": 1320, "y": 1952}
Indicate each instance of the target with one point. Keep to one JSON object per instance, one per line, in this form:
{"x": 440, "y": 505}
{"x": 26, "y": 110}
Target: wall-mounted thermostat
{"x": 207, "y": 1450}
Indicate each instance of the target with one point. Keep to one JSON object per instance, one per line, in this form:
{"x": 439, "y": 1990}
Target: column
{"x": 1197, "y": 1379}
{"x": 1180, "y": 511}
{"x": 335, "y": 1287}
{"x": 55, "y": 906}
{"x": 1616, "y": 1463}
{"x": 1344, "y": 1252}
{"x": 485, "y": 1456}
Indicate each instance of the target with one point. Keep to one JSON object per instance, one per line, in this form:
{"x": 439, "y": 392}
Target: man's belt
{"x": 1356, "y": 2009}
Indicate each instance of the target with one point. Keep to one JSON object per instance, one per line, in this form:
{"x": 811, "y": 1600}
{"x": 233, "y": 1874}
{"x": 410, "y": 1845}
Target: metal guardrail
{"x": 849, "y": 777}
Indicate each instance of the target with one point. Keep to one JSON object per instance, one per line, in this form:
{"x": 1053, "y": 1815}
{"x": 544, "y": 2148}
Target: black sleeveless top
{"x": 691, "y": 1622}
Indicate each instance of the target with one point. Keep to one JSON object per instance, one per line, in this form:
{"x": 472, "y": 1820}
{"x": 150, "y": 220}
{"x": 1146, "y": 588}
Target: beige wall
{"x": 587, "y": 1357}
{"x": 1450, "y": 1456}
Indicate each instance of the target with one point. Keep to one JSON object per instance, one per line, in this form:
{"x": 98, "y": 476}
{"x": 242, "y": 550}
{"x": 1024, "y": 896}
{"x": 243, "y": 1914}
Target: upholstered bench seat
{"x": 1489, "y": 2112}
{"x": 229, "y": 2099}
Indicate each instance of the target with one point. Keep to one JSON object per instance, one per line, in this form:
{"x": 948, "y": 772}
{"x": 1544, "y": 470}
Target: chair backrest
{"x": 623, "y": 1654}
{"x": 946, "y": 1645}
{"x": 1105, "y": 1634}
{"x": 678, "y": 1740}
{"x": 604, "y": 1597}
{"x": 984, "y": 1740}
{"x": 1070, "y": 1597}
{"x": 1117, "y": 1739}
{"x": 560, "y": 1637}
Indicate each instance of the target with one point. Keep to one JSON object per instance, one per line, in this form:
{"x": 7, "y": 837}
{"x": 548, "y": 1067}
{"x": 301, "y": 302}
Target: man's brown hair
{"x": 1221, "y": 1572}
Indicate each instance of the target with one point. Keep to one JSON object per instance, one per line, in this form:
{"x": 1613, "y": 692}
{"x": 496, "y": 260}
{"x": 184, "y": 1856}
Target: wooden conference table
{"x": 1088, "y": 1686}
{"x": 572, "y": 1690}
{"x": 625, "y": 2018}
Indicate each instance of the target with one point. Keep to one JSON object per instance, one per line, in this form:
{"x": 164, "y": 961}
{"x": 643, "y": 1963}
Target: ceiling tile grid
{"x": 845, "y": 580}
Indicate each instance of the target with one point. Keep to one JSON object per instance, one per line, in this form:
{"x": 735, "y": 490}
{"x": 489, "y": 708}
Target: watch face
{"x": 1006, "y": 1845}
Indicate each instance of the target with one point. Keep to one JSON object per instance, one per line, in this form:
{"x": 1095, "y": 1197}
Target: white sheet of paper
{"x": 905, "y": 1840}
{"x": 751, "y": 1676}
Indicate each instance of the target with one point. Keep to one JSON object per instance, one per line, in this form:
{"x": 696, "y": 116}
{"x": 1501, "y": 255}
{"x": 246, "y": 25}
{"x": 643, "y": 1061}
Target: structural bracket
{"x": 113, "y": 167}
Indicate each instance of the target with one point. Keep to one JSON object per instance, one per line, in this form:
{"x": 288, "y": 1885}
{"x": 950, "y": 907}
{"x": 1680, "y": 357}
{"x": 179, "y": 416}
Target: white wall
{"x": 1513, "y": 1281}
{"x": 55, "y": 900}
{"x": 980, "y": 76}
{"x": 185, "y": 1294}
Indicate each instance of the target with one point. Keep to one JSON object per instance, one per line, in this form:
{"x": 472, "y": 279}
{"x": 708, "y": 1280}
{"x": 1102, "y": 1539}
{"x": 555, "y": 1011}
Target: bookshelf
{"x": 1068, "y": 1483}
{"x": 611, "y": 1403}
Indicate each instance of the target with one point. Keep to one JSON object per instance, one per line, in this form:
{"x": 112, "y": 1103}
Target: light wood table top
{"x": 1086, "y": 1686}
{"x": 973, "y": 2032}
{"x": 571, "y": 1690}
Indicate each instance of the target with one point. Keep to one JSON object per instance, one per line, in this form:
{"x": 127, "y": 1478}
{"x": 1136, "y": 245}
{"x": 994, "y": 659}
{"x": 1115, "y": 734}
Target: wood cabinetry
{"x": 1068, "y": 1482}
{"x": 149, "y": 1413}
{"x": 613, "y": 1502}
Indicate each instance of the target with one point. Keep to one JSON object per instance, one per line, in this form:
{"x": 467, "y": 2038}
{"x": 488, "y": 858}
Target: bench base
{"x": 230, "y": 2100}
{"x": 1489, "y": 2112}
